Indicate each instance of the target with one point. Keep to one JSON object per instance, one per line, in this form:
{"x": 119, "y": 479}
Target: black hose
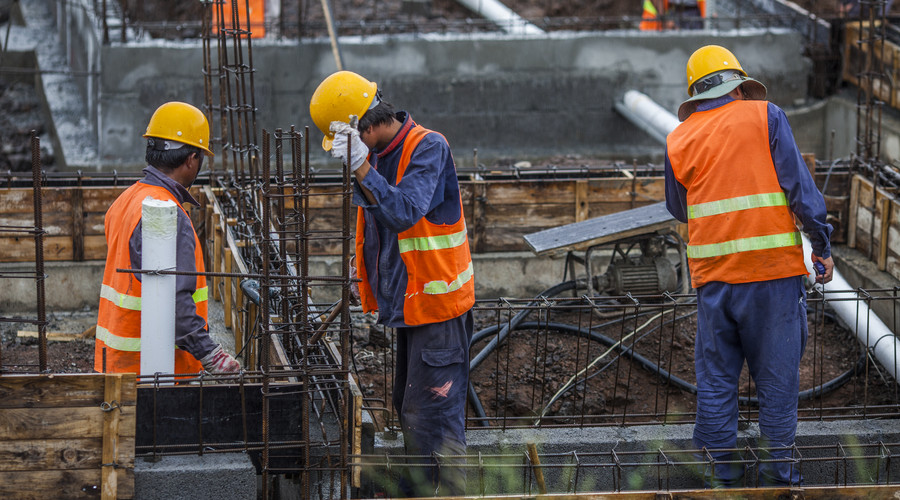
{"x": 819, "y": 390}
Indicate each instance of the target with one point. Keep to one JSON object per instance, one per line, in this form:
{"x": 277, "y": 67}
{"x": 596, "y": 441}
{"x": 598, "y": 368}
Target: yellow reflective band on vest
{"x": 433, "y": 242}
{"x": 649, "y": 7}
{"x": 120, "y": 299}
{"x": 440, "y": 287}
{"x": 201, "y": 295}
{"x": 743, "y": 245}
{"x": 116, "y": 342}
{"x": 736, "y": 204}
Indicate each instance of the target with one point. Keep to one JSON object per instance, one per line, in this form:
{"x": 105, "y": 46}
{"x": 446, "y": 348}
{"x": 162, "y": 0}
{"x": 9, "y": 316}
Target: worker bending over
{"x": 735, "y": 175}
{"x": 412, "y": 254}
{"x": 177, "y": 140}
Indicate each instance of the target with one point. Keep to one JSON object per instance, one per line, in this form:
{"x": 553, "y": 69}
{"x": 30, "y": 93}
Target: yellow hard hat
{"x": 713, "y": 71}
{"x": 180, "y": 122}
{"x": 337, "y": 98}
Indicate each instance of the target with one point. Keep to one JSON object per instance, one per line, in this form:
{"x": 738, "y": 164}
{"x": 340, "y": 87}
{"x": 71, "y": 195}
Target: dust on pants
{"x": 430, "y": 384}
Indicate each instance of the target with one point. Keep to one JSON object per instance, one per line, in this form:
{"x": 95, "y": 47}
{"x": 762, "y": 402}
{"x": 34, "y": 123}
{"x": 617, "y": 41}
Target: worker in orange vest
{"x": 412, "y": 252}
{"x": 177, "y": 140}
{"x": 684, "y": 14}
{"x": 734, "y": 174}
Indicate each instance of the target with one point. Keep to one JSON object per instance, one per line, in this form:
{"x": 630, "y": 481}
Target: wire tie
{"x": 107, "y": 407}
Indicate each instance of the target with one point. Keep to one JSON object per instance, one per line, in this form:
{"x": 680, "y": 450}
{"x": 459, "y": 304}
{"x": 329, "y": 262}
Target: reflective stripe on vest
{"x": 120, "y": 299}
{"x": 736, "y": 204}
{"x": 134, "y": 303}
{"x": 649, "y": 8}
{"x": 118, "y": 343}
{"x": 743, "y": 245}
{"x": 426, "y": 243}
{"x": 439, "y": 287}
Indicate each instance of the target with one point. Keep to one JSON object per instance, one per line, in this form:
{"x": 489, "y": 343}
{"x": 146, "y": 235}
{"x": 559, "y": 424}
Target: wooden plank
{"x": 229, "y": 283}
{"x": 854, "y": 204}
{"x": 77, "y": 225}
{"x": 479, "y": 203}
{"x": 50, "y": 423}
{"x": 51, "y": 336}
{"x": 112, "y": 394}
{"x": 217, "y": 241}
{"x": 68, "y": 484}
{"x": 884, "y": 205}
{"x": 599, "y": 230}
{"x": 62, "y": 454}
{"x": 58, "y": 390}
{"x": 582, "y": 204}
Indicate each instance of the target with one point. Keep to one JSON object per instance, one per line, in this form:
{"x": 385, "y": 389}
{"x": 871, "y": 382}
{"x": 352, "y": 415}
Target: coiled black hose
{"x": 517, "y": 323}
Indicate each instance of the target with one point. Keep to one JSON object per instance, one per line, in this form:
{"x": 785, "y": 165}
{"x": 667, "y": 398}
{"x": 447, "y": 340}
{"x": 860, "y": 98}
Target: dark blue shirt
{"x": 798, "y": 185}
{"x": 429, "y": 188}
{"x": 191, "y": 331}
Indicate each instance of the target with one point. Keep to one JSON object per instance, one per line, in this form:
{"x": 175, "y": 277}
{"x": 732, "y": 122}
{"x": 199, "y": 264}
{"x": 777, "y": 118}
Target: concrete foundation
{"x": 635, "y": 446}
{"x": 213, "y": 475}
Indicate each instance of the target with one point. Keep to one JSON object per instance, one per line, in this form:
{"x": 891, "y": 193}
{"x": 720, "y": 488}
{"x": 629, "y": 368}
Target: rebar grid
{"x": 572, "y": 360}
{"x": 665, "y": 468}
{"x": 36, "y": 232}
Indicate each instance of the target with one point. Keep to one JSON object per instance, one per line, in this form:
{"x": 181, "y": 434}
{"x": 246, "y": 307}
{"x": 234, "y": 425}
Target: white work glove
{"x": 358, "y": 150}
{"x": 219, "y": 361}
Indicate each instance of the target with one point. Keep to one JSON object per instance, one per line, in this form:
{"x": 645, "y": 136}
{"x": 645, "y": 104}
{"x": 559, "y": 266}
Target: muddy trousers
{"x": 764, "y": 324}
{"x": 430, "y": 384}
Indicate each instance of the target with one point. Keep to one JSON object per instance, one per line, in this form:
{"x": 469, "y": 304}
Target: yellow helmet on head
{"x": 713, "y": 71}
{"x": 180, "y": 122}
{"x": 338, "y": 97}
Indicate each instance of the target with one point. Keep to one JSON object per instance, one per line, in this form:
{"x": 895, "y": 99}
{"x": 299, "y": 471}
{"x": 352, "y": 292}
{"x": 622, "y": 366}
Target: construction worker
{"x": 735, "y": 175}
{"x": 412, "y": 253}
{"x": 684, "y": 14}
{"x": 177, "y": 140}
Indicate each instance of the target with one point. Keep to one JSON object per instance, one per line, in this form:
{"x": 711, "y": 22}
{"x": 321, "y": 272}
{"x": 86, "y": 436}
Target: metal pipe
{"x": 503, "y": 16}
{"x": 872, "y": 333}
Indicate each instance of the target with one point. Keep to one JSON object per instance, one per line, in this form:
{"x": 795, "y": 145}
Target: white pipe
{"x": 866, "y": 325}
{"x": 650, "y": 114}
{"x": 159, "y": 227}
{"x": 855, "y": 313}
{"x": 505, "y": 17}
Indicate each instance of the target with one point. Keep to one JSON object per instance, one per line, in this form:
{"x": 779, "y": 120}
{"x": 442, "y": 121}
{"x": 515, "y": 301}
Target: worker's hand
{"x": 219, "y": 361}
{"x": 828, "y": 264}
{"x": 343, "y": 133}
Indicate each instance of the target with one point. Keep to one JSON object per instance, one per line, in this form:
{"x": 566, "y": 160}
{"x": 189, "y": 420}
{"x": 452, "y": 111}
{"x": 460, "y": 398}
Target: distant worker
{"x": 683, "y": 14}
{"x": 735, "y": 175}
{"x": 412, "y": 253}
{"x": 177, "y": 140}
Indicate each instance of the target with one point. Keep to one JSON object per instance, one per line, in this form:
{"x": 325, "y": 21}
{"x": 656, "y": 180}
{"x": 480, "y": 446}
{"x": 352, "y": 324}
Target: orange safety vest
{"x": 440, "y": 280}
{"x": 740, "y": 227}
{"x": 650, "y": 16}
{"x": 119, "y": 315}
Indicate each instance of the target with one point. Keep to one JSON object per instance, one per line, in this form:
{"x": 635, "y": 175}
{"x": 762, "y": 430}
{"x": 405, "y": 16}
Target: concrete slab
{"x": 224, "y": 476}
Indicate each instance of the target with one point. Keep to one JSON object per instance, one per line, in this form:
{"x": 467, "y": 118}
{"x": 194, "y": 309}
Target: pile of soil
{"x": 305, "y": 18}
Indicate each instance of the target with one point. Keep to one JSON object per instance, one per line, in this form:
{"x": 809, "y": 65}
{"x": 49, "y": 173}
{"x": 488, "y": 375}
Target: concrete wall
{"x": 528, "y": 97}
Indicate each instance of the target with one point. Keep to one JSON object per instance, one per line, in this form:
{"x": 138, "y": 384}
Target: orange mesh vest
{"x": 740, "y": 228}
{"x": 440, "y": 280}
{"x": 119, "y": 315}
{"x": 650, "y": 17}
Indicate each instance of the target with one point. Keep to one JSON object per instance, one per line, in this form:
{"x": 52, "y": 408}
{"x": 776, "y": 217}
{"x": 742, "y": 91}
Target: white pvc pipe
{"x": 503, "y": 16}
{"x": 866, "y": 325}
{"x": 855, "y": 313}
{"x": 159, "y": 226}
{"x": 650, "y": 114}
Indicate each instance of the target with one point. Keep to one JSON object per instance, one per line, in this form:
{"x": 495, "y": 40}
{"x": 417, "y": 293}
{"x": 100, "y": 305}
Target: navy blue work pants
{"x": 763, "y": 323}
{"x": 430, "y": 384}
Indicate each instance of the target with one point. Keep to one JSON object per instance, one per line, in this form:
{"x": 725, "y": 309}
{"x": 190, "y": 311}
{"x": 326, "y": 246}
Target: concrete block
{"x": 223, "y": 476}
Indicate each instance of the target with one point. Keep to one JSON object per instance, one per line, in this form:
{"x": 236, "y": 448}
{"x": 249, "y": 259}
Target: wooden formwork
{"x": 67, "y": 436}
{"x": 874, "y": 224}
{"x": 878, "y": 61}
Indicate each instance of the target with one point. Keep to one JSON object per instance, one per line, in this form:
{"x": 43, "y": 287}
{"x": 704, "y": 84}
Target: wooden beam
{"x": 582, "y": 204}
{"x": 112, "y": 396}
{"x": 852, "y": 219}
{"x": 885, "y": 208}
